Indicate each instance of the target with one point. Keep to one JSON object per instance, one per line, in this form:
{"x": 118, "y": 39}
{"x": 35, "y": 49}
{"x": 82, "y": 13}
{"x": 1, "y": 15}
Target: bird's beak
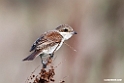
{"x": 75, "y": 32}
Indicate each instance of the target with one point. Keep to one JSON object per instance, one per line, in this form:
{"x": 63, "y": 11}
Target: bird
{"x": 49, "y": 42}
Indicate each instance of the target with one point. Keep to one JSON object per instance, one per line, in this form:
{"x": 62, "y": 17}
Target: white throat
{"x": 66, "y": 35}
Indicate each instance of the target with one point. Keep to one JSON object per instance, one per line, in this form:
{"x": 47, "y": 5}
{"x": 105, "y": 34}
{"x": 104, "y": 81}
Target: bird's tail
{"x": 32, "y": 56}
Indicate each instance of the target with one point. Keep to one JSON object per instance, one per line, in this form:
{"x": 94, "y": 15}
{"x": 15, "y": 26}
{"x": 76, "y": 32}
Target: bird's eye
{"x": 65, "y": 30}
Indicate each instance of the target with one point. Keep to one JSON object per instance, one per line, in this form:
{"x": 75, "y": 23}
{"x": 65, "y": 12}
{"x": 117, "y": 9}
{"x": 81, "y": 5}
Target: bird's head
{"x": 66, "y": 31}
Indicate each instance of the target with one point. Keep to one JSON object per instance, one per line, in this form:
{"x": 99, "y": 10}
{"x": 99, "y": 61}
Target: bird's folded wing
{"x": 47, "y": 39}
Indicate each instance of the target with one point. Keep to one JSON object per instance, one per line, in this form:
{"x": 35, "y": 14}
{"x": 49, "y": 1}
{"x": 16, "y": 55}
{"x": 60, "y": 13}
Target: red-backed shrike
{"x": 49, "y": 42}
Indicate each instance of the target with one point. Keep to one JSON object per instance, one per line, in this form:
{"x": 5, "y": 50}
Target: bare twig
{"x": 70, "y": 47}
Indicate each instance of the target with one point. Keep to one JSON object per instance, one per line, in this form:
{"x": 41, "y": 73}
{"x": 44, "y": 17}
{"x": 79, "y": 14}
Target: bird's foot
{"x": 44, "y": 65}
{"x": 51, "y": 55}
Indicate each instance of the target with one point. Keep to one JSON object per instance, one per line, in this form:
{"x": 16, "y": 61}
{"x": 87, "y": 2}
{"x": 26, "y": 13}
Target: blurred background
{"x": 99, "y": 42}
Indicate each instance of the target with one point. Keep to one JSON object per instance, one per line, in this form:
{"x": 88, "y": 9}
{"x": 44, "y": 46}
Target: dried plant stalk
{"x": 46, "y": 75}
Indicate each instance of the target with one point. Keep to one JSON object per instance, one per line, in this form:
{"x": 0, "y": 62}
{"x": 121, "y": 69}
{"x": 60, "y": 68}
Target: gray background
{"x": 99, "y": 42}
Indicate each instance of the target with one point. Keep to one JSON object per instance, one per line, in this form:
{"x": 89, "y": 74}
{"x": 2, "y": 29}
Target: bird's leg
{"x": 44, "y": 64}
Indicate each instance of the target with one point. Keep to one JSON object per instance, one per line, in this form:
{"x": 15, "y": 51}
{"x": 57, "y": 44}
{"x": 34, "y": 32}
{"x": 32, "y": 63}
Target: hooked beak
{"x": 75, "y": 32}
